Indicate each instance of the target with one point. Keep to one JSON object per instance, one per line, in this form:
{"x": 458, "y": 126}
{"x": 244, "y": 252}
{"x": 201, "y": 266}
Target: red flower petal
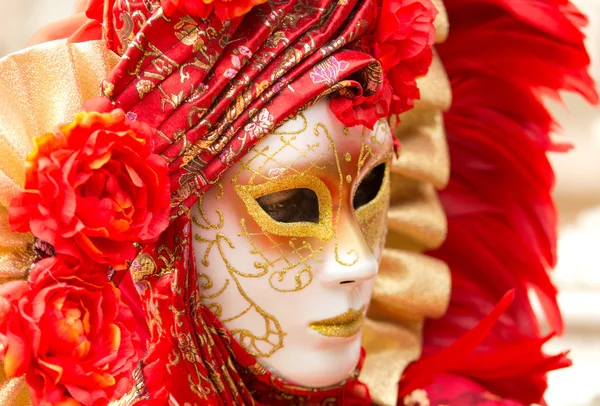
{"x": 87, "y": 189}
{"x": 88, "y": 351}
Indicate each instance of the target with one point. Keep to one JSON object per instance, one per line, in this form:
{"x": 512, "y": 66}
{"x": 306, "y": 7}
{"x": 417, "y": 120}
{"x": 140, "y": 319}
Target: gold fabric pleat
{"x": 442, "y": 27}
{"x": 411, "y": 286}
{"x": 40, "y": 88}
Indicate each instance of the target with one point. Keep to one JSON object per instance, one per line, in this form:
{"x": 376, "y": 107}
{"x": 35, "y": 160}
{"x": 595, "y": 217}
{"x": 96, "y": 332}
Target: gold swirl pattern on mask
{"x": 299, "y": 257}
{"x": 253, "y": 343}
{"x": 288, "y": 139}
{"x": 206, "y": 224}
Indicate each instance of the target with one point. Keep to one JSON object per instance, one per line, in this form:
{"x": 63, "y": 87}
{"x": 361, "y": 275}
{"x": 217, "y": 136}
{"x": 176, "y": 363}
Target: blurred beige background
{"x": 577, "y": 194}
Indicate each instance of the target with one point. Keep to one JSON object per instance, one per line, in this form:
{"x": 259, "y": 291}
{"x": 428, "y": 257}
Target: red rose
{"x": 69, "y": 333}
{"x": 403, "y": 81}
{"x": 404, "y": 31}
{"x": 363, "y": 110}
{"x": 402, "y": 44}
{"x": 224, "y": 9}
{"x": 93, "y": 188}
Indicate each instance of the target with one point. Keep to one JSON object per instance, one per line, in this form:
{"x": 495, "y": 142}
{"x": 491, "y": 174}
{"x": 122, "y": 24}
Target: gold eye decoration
{"x": 290, "y": 206}
{"x": 370, "y": 201}
{"x": 371, "y": 187}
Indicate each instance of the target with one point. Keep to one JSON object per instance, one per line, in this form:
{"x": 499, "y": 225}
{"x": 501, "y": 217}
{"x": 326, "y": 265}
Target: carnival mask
{"x": 288, "y": 243}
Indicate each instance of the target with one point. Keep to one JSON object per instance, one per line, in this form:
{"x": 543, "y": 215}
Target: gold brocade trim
{"x": 40, "y": 87}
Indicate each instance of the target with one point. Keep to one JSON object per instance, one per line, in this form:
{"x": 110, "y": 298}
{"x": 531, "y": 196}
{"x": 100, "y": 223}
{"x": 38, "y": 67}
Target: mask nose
{"x": 350, "y": 260}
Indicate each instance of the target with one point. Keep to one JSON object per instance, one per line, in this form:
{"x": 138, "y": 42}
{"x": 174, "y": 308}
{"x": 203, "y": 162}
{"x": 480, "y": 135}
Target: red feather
{"x": 503, "y": 57}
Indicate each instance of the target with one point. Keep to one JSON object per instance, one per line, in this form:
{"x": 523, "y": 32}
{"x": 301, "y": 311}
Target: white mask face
{"x": 288, "y": 244}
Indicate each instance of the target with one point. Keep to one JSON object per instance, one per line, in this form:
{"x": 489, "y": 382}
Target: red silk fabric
{"x": 212, "y": 89}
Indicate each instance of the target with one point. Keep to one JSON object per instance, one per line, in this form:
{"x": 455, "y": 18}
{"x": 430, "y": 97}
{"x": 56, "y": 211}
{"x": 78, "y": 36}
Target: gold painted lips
{"x": 343, "y": 325}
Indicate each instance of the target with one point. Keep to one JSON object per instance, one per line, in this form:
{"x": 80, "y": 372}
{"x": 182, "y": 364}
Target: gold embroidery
{"x": 131, "y": 21}
{"x": 188, "y": 32}
{"x": 142, "y": 267}
{"x": 107, "y": 89}
{"x": 144, "y": 87}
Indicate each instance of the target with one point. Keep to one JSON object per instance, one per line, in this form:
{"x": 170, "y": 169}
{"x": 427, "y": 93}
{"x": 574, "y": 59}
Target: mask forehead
{"x": 314, "y": 143}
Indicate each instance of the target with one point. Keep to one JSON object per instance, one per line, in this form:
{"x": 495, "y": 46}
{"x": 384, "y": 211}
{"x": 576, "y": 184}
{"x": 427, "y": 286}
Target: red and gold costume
{"x": 176, "y": 92}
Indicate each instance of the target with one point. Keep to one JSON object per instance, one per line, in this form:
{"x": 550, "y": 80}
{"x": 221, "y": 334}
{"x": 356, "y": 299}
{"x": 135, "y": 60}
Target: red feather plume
{"x": 503, "y": 57}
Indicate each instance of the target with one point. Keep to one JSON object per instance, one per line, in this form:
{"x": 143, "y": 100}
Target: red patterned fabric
{"x": 212, "y": 89}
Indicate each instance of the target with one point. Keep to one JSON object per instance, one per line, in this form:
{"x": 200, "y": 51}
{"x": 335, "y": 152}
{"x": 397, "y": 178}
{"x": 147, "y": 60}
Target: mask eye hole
{"x": 291, "y": 206}
{"x": 369, "y": 187}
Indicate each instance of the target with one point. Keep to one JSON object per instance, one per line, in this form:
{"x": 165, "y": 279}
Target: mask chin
{"x": 317, "y": 367}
